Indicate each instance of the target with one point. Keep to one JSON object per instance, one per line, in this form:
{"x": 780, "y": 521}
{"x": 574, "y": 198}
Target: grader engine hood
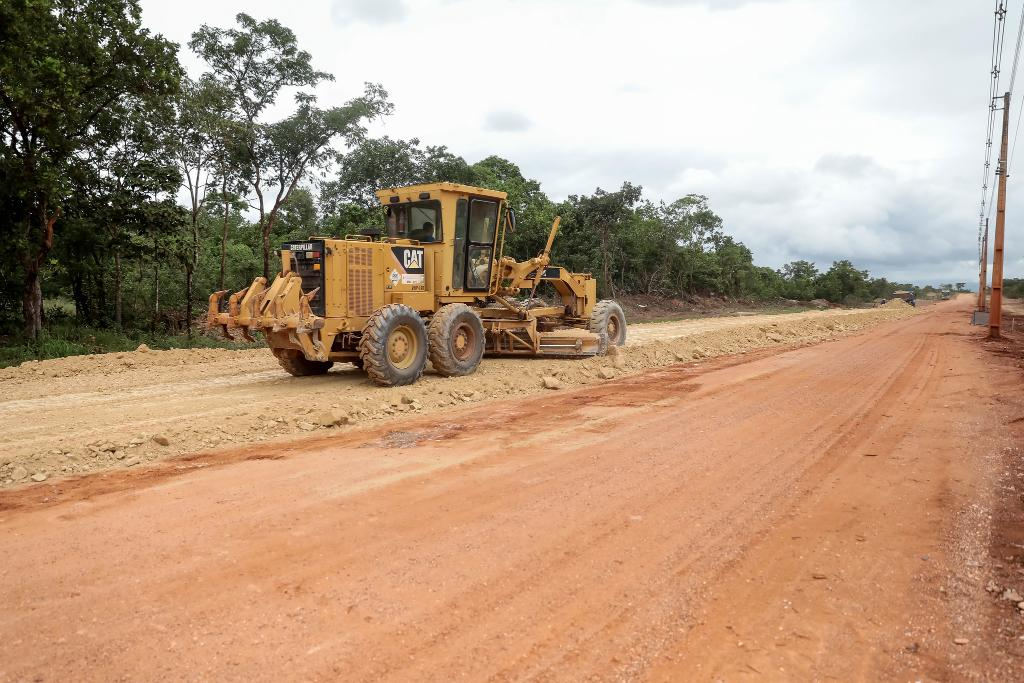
{"x": 307, "y": 261}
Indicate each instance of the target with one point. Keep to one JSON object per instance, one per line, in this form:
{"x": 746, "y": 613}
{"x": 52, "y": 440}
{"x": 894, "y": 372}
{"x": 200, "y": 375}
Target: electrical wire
{"x": 998, "y": 39}
{"x": 1013, "y": 77}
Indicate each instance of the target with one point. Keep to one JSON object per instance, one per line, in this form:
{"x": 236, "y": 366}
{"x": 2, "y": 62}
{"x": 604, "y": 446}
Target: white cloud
{"x": 710, "y": 4}
{"x": 506, "y": 121}
{"x": 368, "y": 11}
{"x": 822, "y": 129}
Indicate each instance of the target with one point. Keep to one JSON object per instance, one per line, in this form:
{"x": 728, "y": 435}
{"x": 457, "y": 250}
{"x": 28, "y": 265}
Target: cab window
{"x": 483, "y": 217}
{"x": 420, "y": 221}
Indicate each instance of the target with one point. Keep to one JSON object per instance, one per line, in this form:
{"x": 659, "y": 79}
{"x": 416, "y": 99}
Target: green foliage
{"x": 75, "y": 77}
{"x": 1013, "y": 288}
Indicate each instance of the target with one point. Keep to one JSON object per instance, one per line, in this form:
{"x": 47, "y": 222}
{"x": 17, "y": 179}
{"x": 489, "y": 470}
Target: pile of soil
{"x": 83, "y": 414}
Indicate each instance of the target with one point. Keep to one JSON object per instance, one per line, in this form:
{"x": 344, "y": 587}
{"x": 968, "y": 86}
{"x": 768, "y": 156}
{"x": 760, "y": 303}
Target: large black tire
{"x": 298, "y": 365}
{"x": 393, "y": 347}
{"x": 609, "y": 319}
{"x": 456, "y": 340}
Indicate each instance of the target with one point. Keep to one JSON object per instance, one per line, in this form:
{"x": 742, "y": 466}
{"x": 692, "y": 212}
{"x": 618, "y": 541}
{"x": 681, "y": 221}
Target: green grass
{"x": 65, "y": 338}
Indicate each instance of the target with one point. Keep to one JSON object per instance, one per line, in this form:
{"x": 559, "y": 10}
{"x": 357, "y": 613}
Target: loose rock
{"x": 39, "y": 476}
{"x": 606, "y": 373}
{"x": 331, "y": 418}
{"x": 551, "y": 382}
{"x": 162, "y": 440}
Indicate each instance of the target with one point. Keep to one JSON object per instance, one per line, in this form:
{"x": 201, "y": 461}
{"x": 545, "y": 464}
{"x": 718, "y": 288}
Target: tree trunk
{"x": 223, "y": 235}
{"x": 40, "y": 240}
{"x": 266, "y": 253}
{"x": 606, "y": 280}
{"x": 78, "y": 294}
{"x": 117, "y": 288}
{"x": 156, "y": 285}
{"x": 190, "y": 272}
{"x": 267, "y": 228}
{"x": 189, "y": 277}
{"x": 32, "y": 305}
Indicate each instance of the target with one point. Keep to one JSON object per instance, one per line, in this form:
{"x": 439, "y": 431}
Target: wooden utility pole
{"x": 984, "y": 269}
{"x": 996, "y": 306}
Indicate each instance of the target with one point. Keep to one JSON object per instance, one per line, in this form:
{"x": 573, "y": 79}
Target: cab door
{"x": 476, "y": 222}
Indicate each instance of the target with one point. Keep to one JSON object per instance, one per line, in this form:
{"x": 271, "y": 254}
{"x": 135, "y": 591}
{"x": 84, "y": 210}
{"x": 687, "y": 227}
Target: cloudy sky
{"x": 819, "y": 129}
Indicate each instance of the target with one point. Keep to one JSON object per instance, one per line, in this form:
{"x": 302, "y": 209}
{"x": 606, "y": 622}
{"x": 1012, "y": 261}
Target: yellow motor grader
{"x": 433, "y": 284}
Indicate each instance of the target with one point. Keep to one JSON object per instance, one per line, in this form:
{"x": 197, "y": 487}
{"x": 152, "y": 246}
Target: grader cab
{"x": 433, "y": 284}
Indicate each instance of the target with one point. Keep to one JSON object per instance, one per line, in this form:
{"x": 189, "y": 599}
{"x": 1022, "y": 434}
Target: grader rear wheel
{"x": 456, "y": 340}
{"x": 609, "y": 319}
{"x": 393, "y": 348}
{"x": 298, "y": 365}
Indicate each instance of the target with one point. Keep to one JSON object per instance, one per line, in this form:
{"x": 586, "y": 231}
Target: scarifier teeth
{"x": 214, "y": 303}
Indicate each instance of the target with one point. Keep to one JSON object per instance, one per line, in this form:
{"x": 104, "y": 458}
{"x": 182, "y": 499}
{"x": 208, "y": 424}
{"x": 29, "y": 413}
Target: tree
{"x": 372, "y": 164}
{"x": 349, "y": 201}
{"x": 138, "y": 181}
{"x": 64, "y": 66}
{"x": 255, "y": 62}
{"x": 299, "y": 145}
{"x": 697, "y": 230}
{"x": 200, "y": 152}
{"x": 603, "y": 216}
{"x": 534, "y": 211}
{"x": 799, "y": 278}
{"x": 842, "y": 283}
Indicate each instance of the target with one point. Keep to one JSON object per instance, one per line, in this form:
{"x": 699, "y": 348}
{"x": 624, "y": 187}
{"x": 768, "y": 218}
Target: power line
{"x": 998, "y": 38}
{"x": 1016, "y": 52}
{"x": 1013, "y": 77}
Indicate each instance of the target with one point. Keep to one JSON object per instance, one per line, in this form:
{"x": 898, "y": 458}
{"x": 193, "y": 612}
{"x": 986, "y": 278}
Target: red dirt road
{"x": 824, "y": 512}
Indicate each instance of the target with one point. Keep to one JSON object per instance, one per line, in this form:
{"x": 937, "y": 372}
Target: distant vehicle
{"x": 906, "y": 296}
{"x": 946, "y": 294}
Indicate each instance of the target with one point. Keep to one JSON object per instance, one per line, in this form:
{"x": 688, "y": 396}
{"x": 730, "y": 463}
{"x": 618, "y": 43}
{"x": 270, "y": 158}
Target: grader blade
{"x": 572, "y": 343}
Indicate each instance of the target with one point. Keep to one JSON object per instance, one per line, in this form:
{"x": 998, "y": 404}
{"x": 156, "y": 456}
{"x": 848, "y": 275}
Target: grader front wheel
{"x": 456, "y": 340}
{"x": 393, "y": 347}
{"x": 609, "y": 319}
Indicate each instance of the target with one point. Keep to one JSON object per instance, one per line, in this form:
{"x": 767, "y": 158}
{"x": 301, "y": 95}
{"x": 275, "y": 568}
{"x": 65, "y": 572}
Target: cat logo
{"x": 413, "y": 259}
{"x": 409, "y": 262}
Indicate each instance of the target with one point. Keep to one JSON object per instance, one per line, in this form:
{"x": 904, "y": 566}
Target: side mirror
{"x": 511, "y": 219}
